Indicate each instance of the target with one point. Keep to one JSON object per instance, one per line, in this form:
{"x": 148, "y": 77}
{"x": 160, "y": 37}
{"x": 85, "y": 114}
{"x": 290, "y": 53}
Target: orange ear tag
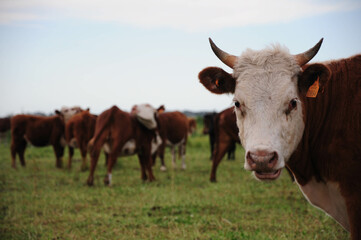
{"x": 313, "y": 90}
{"x": 217, "y": 83}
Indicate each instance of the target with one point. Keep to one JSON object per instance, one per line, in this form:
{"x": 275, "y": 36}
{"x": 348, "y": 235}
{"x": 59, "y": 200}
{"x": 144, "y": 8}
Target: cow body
{"x": 304, "y": 117}
{"x": 192, "y": 125}
{"x": 78, "y": 131}
{"x": 38, "y": 131}
{"x": 116, "y": 130}
{"x": 225, "y": 133}
{"x": 174, "y": 133}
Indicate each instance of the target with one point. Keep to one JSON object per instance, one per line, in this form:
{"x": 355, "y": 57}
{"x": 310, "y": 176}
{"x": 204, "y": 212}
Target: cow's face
{"x": 268, "y": 86}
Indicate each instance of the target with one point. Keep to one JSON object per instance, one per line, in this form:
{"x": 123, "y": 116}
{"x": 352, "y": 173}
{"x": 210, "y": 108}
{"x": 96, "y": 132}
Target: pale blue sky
{"x": 100, "y": 53}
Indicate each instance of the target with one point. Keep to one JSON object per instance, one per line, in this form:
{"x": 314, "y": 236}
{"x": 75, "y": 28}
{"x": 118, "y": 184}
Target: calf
{"x": 78, "y": 131}
{"x": 303, "y": 117}
{"x": 122, "y": 133}
{"x": 38, "y": 131}
{"x": 174, "y": 133}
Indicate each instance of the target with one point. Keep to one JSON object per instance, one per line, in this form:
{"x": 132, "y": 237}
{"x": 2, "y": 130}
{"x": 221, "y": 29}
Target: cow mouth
{"x": 268, "y": 175}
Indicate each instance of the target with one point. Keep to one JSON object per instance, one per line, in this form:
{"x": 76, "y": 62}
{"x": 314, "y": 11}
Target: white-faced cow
{"x": 306, "y": 117}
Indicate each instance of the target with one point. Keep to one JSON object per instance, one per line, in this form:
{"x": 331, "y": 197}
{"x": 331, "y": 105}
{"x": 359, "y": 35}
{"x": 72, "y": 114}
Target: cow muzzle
{"x": 263, "y": 163}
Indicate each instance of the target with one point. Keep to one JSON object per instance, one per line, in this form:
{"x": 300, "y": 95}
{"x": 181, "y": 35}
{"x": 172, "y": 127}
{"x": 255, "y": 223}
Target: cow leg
{"x": 231, "y": 151}
{"x": 13, "y": 155}
{"x": 182, "y": 149}
{"x": 112, "y": 158}
{"x": 106, "y": 158}
{"x": 143, "y": 174}
{"x": 83, "y": 152}
{"x": 71, "y": 153}
{"x": 218, "y": 154}
{"x": 161, "y": 156}
{"x": 21, "y": 152}
{"x": 93, "y": 163}
{"x": 173, "y": 156}
{"x": 59, "y": 152}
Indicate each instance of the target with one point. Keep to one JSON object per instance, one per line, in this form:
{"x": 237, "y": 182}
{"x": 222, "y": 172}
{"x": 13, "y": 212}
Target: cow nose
{"x": 262, "y": 160}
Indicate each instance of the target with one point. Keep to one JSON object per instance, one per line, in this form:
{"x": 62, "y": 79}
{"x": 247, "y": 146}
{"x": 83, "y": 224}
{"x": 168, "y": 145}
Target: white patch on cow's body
{"x": 129, "y": 148}
{"x": 266, "y": 83}
{"x": 156, "y": 143}
{"x": 106, "y": 148}
{"x": 328, "y": 198}
{"x": 73, "y": 143}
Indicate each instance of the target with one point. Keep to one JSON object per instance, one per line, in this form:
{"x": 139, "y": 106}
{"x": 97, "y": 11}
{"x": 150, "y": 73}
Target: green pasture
{"x": 42, "y": 202}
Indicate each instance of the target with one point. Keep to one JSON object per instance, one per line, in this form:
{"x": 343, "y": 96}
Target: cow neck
{"x": 327, "y": 121}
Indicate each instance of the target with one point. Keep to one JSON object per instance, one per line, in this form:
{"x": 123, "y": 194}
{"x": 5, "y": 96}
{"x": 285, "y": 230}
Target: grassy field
{"x": 42, "y": 202}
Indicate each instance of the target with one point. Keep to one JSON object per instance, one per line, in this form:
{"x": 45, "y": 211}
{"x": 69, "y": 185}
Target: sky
{"x": 98, "y": 54}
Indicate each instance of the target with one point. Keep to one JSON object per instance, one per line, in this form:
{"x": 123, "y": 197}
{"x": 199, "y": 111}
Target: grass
{"x": 42, "y": 202}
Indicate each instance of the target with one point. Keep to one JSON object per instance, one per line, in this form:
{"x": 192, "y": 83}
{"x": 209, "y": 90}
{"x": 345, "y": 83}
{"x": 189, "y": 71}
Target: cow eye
{"x": 237, "y": 104}
{"x": 292, "y": 105}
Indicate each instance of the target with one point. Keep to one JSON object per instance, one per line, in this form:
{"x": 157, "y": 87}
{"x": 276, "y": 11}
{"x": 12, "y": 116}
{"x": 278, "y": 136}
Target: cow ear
{"x": 57, "y": 112}
{"x": 88, "y": 109}
{"x": 310, "y": 75}
{"x": 217, "y": 80}
{"x": 161, "y": 109}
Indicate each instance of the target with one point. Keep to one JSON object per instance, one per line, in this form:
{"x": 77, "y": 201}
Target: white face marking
{"x": 266, "y": 83}
{"x": 68, "y": 112}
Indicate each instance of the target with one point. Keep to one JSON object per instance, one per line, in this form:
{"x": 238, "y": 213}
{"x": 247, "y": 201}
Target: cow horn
{"x": 228, "y": 59}
{"x": 305, "y": 57}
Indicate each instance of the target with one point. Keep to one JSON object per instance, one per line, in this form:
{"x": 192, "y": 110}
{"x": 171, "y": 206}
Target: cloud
{"x": 188, "y": 15}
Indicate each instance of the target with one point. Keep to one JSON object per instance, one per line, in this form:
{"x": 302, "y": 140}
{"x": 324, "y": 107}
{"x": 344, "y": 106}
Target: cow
{"x": 69, "y": 112}
{"x": 39, "y": 131}
{"x": 305, "y": 117}
{"x": 192, "y": 125}
{"x": 78, "y": 131}
{"x": 4, "y": 127}
{"x": 174, "y": 133}
{"x": 5, "y": 124}
{"x": 209, "y": 128}
{"x": 121, "y": 133}
{"x": 223, "y": 128}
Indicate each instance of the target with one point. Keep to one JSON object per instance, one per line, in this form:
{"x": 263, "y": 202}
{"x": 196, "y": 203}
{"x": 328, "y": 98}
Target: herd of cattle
{"x": 287, "y": 114}
{"x": 119, "y": 133}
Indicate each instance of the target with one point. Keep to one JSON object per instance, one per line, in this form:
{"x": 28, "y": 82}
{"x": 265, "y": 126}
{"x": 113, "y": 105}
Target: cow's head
{"x": 268, "y": 87}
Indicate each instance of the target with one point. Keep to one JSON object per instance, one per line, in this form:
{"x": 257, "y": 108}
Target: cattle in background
{"x": 68, "y": 112}
{"x": 78, "y": 131}
{"x": 4, "y": 127}
{"x": 209, "y": 128}
{"x": 192, "y": 125}
{"x": 225, "y": 137}
{"x": 174, "y": 133}
{"x": 38, "y": 131}
{"x": 4, "y": 124}
{"x": 121, "y": 133}
{"x": 306, "y": 117}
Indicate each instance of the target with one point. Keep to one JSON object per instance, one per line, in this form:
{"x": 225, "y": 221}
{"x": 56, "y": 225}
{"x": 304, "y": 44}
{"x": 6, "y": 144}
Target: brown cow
{"x": 225, "y": 137}
{"x": 38, "y": 131}
{"x": 303, "y": 117}
{"x": 78, "y": 132}
{"x": 121, "y": 133}
{"x": 5, "y": 124}
{"x": 174, "y": 133}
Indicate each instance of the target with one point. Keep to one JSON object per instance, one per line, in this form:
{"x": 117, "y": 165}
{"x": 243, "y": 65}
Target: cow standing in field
{"x": 78, "y": 132}
{"x": 174, "y": 133}
{"x": 4, "y": 126}
{"x": 223, "y": 129}
{"x": 306, "y": 117}
{"x": 38, "y": 131}
{"x": 120, "y": 134}
{"x": 209, "y": 128}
